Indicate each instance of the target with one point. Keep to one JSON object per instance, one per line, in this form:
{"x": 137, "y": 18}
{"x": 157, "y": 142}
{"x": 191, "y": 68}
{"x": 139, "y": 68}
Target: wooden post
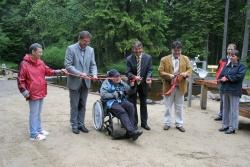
{"x": 203, "y": 101}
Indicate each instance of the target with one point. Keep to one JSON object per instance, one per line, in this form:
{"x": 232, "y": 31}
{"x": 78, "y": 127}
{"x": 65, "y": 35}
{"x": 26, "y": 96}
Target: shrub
{"x": 54, "y": 56}
{"x": 120, "y": 66}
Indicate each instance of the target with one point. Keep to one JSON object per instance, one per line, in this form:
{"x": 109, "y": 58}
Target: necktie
{"x": 83, "y": 51}
{"x": 138, "y": 68}
{"x": 83, "y": 54}
{"x": 176, "y": 66}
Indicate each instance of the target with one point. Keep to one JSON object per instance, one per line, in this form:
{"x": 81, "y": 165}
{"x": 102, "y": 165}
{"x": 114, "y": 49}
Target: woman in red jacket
{"x": 33, "y": 86}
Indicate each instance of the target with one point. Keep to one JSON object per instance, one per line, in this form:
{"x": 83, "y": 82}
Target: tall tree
{"x": 246, "y": 34}
{"x": 225, "y": 29}
{"x": 196, "y": 24}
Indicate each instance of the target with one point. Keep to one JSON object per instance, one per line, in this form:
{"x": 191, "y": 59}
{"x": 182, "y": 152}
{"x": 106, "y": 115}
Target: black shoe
{"x": 218, "y": 119}
{"x": 181, "y": 128}
{"x": 75, "y": 131}
{"x": 230, "y": 131}
{"x": 135, "y": 134}
{"x": 83, "y": 129}
{"x": 223, "y": 129}
{"x": 145, "y": 126}
{"x": 166, "y": 127}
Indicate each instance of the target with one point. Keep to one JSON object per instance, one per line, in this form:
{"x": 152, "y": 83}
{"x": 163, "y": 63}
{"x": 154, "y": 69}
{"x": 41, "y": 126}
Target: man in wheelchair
{"x": 114, "y": 95}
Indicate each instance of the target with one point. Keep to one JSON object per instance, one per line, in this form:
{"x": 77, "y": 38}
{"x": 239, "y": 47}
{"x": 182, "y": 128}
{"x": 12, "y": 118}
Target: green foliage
{"x": 115, "y": 25}
{"x": 10, "y": 65}
{"x": 120, "y": 25}
{"x": 155, "y": 71}
{"x": 4, "y": 40}
{"x": 195, "y": 22}
{"x": 118, "y": 65}
{"x": 12, "y": 35}
{"x": 247, "y": 77}
{"x": 54, "y": 56}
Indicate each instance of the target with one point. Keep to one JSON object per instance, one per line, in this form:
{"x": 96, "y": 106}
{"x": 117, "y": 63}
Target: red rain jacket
{"x": 31, "y": 77}
{"x": 222, "y": 64}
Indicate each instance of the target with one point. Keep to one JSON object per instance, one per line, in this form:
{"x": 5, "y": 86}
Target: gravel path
{"x": 201, "y": 145}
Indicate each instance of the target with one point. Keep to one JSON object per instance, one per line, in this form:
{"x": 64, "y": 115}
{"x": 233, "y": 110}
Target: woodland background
{"x": 204, "y": 27}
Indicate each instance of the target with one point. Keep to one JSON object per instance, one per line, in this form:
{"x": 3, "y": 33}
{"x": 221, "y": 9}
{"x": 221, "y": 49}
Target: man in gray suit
{"x": 79, "y": 60}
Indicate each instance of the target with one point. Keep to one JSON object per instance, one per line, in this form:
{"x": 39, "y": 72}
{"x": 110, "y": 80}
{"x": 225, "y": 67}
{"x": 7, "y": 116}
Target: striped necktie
{"x": 139, "y": 66}
{"x": 139, "y": 69}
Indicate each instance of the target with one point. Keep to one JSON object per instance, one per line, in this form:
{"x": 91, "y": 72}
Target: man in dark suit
{"x": 139, "y": 71}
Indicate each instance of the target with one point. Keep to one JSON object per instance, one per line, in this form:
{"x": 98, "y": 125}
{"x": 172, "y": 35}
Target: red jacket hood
{"x": 29, "y": 59}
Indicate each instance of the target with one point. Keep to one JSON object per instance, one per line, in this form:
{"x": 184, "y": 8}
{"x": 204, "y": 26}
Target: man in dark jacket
{"x": 139, "y": 72}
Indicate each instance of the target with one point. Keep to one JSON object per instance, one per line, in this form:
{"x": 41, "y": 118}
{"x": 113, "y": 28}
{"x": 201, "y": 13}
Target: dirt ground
{"x": 201, "y": 145}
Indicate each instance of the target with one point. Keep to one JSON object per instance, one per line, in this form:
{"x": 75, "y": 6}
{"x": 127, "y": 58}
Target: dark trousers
{"x": 142, "y": 92}
{"x": 125, "y": 112}
{"x": 78, "y": 99}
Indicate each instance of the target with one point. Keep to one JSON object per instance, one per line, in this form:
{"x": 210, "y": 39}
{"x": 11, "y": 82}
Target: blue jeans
{"x": 35, "y": 117}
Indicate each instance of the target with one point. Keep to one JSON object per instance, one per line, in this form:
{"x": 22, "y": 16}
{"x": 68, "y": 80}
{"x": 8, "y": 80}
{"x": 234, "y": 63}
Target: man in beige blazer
{"x": 171, "y": 66}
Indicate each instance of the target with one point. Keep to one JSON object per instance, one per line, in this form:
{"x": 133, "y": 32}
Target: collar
{"x": 82, "y": 49}
{"x": 174, "y": 58}
{"x": 234, "y": 65}
{"x": 138, "y": 57}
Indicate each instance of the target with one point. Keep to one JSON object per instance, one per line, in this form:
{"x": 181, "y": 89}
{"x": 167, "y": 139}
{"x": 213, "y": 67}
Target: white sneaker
{"x": 38, "y": 137}
{"x": 44, "y": 132}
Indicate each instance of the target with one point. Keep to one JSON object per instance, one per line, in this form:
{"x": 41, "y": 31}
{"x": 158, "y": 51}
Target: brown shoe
{"x": 180, "y": 128}
{"x": 166, "y": 127}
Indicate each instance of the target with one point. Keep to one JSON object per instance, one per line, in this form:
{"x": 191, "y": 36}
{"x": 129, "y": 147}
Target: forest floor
{"x": 201, "y": 145}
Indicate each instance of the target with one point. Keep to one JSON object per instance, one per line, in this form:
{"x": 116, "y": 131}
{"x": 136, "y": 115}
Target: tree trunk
{"x": 206, "y": 48}
{"x": 246, "y": 35}
{"x": 225, "y": 29}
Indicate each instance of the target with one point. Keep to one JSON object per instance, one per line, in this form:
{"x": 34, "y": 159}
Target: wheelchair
{"x": 102, "y": 118}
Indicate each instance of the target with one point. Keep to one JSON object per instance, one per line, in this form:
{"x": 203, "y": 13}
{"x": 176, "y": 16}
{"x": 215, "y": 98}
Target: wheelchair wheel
{"x": 98, "y": 115}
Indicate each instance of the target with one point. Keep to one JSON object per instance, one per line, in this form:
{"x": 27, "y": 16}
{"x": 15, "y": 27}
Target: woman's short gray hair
{"x": 34, "y": 47}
